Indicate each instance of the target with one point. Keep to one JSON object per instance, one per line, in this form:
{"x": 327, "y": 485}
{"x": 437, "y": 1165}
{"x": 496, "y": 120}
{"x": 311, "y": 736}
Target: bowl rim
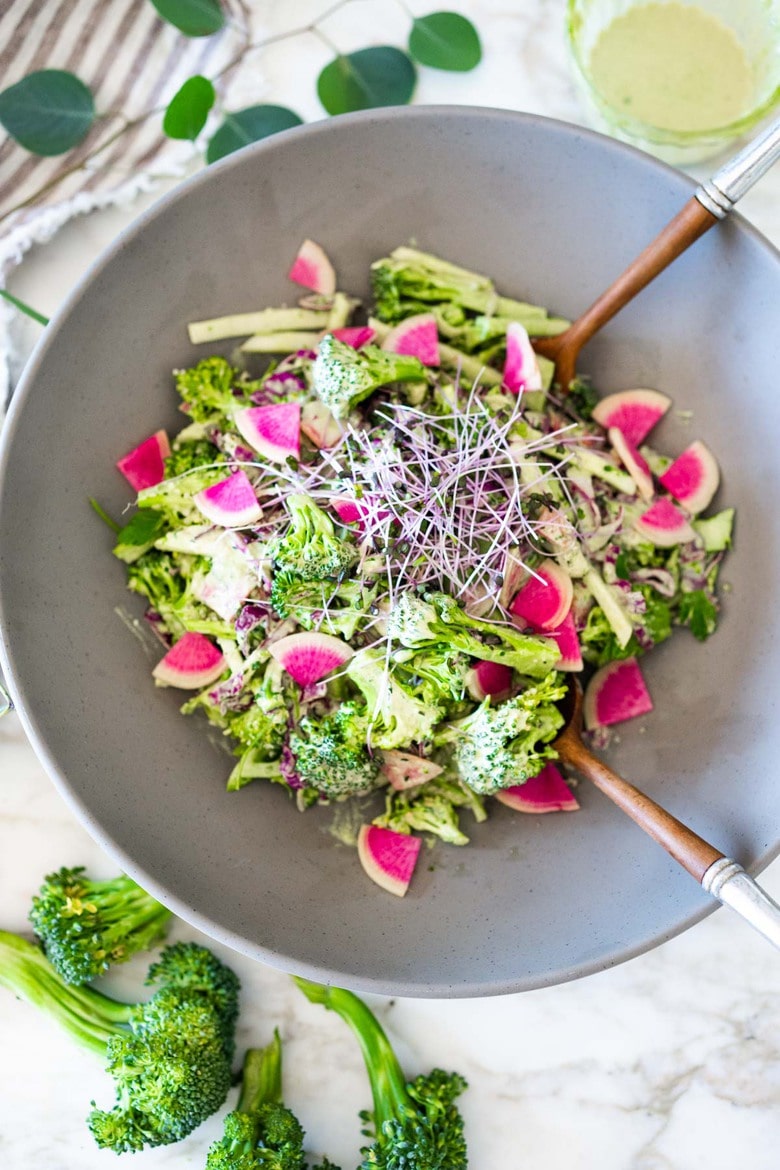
{"x": 24, "y": 703}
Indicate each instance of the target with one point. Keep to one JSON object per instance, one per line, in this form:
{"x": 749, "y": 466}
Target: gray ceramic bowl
{"x": 552, "y": 212}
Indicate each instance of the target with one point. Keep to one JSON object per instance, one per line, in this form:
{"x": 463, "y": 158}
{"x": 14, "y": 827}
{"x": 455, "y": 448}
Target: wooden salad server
{"x": 710, "y": 202}
{"x": 717, "y": 874}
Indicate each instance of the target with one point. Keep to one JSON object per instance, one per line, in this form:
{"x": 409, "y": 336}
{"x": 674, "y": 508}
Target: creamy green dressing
{"x": 673, "y": 66}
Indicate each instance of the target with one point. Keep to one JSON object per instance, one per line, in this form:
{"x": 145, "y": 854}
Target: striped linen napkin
{"x": 134, "y": 63}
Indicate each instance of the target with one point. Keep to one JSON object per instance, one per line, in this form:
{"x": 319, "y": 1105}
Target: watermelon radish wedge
{"x": 307, "y": 657}
{"x": 319, "y": 425}
{"x": 406, "y": 770}
{"x": 489, "y": 678}
{"x": 312, "y": 269}
{"x": 193, "y": 663}
{"x": 388, "y": 857}
{"x": 634, "y": 412}
{"x": 664, "y": 525}
{"x": 615, "y": 693}
{"x": 545, "y": 793}
{"x": 231, "y": 503}
{"x": 418, "y": 337}
{"x": 521, "y": 368}
{"x": 273, "y": 431}
{"x": 568, "y": 644}
{"x": 351, "y": 511}
{"x": 693, "y": 478}
{"x": 634, "y": 463}
{"x": 144, "y": 466}
{"x": 355, "y": 335}
{"x": 544, "y": 600}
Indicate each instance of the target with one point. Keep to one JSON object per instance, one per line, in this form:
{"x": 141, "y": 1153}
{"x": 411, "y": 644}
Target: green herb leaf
{"x": 195, "y": 18}
{"x": 249, "y": 125}
{"x": 382, "y": 76}
{"x": 47, "y": 112}
{"x": 138, "y": 536}
{"x": 699, "y": 613}
{"x": 189, "y": 108}
{"x": 445, "y": 40}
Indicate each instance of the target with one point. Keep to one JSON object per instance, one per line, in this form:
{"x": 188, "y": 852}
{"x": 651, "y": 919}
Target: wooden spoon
{"x": 711, "y": 201}
{"x": 718, "y": 874}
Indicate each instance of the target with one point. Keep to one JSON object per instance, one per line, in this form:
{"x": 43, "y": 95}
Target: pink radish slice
{"x": 194, "y": 662}
{"x": 693, "y": 478}
{"x": 308, "y": 657}
{"x": 416, "y": 336}
{"x": 545, "y": 793}
{"x": 231, "y": 503}
{"x": 405, "y": 770}
{"x": 388, "y": 857}
{"x": 521, "y": 369}
{"x": 568, "y": 644}
{"x": 544, "y": 603}
{"x": 634, "y": 463}
{"x": 353, "y": 512}
{"x": 615, "y": 693}
{"x": 634, "y": 412}
{"x": 313, "y": 269}
{"x": 489, "y": 678}
{"x": 664, "y": 525}
{"x": 319, "y": 425}
{"x": 143, "y": 467}
{"x": 273, "y": 431}
{"x": 355, "y": 335}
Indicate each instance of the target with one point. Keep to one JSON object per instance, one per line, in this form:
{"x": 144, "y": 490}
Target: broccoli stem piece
{"x": 415, "y": 1124}
{"x": 86, "y": 925}
{"x": 287, "y": 342}
{"x": 263, "y": 321}
{"x": 91, "y": 1017}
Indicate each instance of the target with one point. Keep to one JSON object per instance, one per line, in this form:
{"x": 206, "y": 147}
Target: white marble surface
{"x": 670, "y": 1062}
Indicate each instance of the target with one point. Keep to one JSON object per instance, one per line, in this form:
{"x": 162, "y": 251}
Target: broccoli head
{"x": 213, "y": 389}
{"x": 496, "y": 747}
{"x": 394, "y": 715}
{"x": 335, "y": 607}
{"x": 432, "y": 807}
{"x": 169, "y": 1057}
{"x": 309, "y": 547}
{"x": 86, "y": 925}
{"x": 344, "y": 377}
{"x": 188, "y": 455}
{"x": 331, "y": 755}
{"x": 261, "y": 1133}
{"x": 437, "y": 619}
{"x": 415, "y": 1125}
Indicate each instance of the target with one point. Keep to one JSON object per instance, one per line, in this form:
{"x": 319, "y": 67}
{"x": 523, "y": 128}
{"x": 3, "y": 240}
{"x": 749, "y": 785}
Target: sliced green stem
{"x": 23, "y": 307}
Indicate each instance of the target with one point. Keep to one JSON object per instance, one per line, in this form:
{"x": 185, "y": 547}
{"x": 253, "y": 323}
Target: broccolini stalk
{"x": 169, "y": 1057}
{"x": 86, "y": 925}
{"x": 261, "y": 1133}
{"x": 415, "y": 1125}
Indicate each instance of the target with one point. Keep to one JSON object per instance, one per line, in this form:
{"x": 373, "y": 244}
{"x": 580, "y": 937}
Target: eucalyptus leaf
{"x": 249, "y": 125}
{"x": 189, "y": 108}
{"x": 445, "y": 40}
{"x": 47, "y": 112}
{"x": 195, "y": 18}
{"x": 381, "y": 76}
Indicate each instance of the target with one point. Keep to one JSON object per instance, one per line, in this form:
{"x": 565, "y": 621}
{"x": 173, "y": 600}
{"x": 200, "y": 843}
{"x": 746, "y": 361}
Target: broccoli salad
{"x": 373, "y": 555}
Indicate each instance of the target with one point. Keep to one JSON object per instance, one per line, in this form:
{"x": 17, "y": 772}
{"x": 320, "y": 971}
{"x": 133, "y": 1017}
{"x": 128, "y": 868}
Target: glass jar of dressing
{"x": 678, "y": 78}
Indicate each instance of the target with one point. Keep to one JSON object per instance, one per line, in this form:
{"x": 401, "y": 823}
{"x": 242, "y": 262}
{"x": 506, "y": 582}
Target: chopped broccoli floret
{"x": 415, "y": 1125}
{"x": 343, "y": 376}
{"x": 191, "y": 454}
{"x": 432, "y": 807}
{"x": 394, "y": 716}
{"x": 169, "y": 592}
{"x": 335, "y": 607}
{"x": 438, "y": 620}
{"x": 213, "y": 389}
{"x": 495, "y": 747}
{"x": 86, "y": 925}
{"x": 309, "y": 547}
{"x": 331, "y": 756}
{"x": 169, "y": 1057}
{"x": 261, "y": 1133}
